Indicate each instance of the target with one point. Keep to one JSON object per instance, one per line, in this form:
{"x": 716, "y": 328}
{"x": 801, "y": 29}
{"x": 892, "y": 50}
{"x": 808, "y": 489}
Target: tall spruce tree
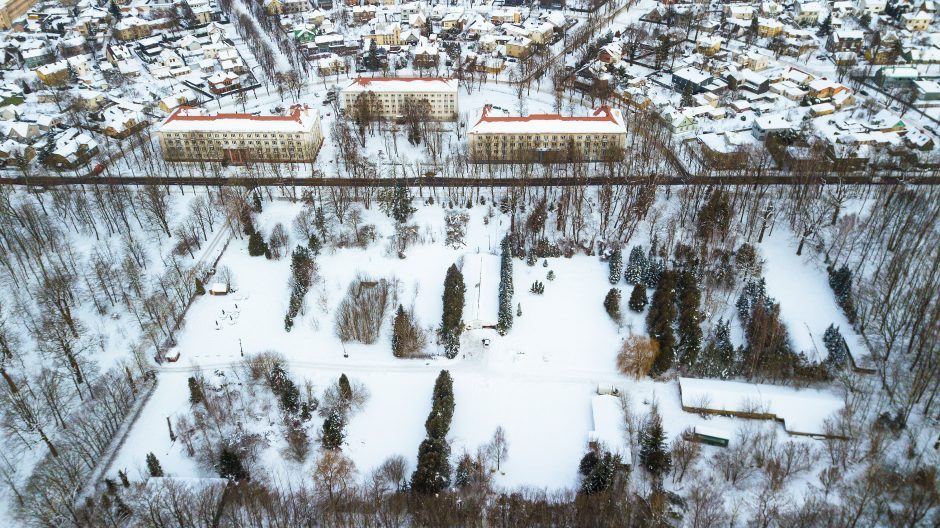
{"x": 689, "y": 329}
{"x": 231, "y": 465}
{"x": 153, "y": 465}
{"x": 717, "y": 359}
{"x": 838, "y": 353}
{"x": 452, "y": 320}
{"x": 401, "y": 204}
{"x": 301, "y": 267}
{"x": 612, "y": 304}
{"x": 636, "y": 266}
{"x": 654, "y": 454}
{"x": 616, "y": 266}
{"x": 660, "y": 319}
{"x": 334, "y": 430}
{"x": 432, "y": 475}
{"x": 504, "y": 317}
{"x": 442, "y": 407}
{"x": 399, "y": 328}
{"x": 638, "y": 298}
{"x": 256, "y": 245}
{"x": 195, "y": 391}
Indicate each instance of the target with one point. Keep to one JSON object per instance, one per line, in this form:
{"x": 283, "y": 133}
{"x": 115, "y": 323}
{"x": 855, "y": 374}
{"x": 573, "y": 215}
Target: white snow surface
{"x": 803, "y": 411}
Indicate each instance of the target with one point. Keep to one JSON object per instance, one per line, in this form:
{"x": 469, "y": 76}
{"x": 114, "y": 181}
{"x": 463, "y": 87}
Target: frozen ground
{"x": 536, "y": 382}
{"x": 807, "y": 304}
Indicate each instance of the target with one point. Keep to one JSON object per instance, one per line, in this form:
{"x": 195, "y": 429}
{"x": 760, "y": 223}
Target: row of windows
{"x": 235, "y": 142}
{"x": 534, "y": 137}
{"x": 195, "y": 135}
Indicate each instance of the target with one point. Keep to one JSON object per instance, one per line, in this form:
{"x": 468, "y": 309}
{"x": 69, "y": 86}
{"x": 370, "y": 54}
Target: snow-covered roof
{"x": 693, "y": 75}
{"x": 604, "y": 120}
{"x": 607, "y": 414}
{"x": 403, "y": 84}
{"x": 802, "y": 411}
{"x": 186, "y": 119}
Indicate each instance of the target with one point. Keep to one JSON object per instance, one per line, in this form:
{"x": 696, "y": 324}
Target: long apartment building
{"x": 390, "y": 94}
{"x": 548, "y": 137}
{"x": 191, "y": 134}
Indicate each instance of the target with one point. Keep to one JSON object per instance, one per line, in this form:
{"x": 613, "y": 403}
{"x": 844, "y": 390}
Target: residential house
{"x": 766, "y": 124}
{"x": 846, "y": 40}
{"x": 223, "y": 82}
{"x": 54, "y": 74}
{"x": 807, "y": 13}
{"x": 132, "y": 28}
{"x": 693, "y": 78}
{"x": 71, "y": 149}
{"x": 769, "y": 27}
{"x": 174, "y": 101}
{"x": 872, "y": 7}
{"x": 916, "y": 22}
{"x": 519, "y": 47}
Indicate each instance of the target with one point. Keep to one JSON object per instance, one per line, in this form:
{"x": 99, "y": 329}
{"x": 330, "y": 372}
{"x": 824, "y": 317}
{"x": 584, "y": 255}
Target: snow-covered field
{"x": 536, "y": 382}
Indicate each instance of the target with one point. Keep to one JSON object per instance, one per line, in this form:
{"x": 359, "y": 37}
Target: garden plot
{"x": 807, "y": 304}
{"x": 802, "y": 411}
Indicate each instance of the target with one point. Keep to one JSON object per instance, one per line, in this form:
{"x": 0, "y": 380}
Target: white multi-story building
{"x": 192, "y": 134}
{"x": 548, "y": 137}
{"x": 390, "y": 93}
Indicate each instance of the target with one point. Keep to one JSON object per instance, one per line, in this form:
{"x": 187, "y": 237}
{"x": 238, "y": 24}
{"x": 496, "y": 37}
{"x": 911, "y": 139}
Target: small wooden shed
{"x": 218, "y": 288}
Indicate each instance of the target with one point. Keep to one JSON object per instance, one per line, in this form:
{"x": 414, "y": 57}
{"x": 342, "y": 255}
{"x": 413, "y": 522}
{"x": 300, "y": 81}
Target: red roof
{"x": 177, "y": 116}
{"x": 601, "y": 114}
{"x": 364, "y": 81}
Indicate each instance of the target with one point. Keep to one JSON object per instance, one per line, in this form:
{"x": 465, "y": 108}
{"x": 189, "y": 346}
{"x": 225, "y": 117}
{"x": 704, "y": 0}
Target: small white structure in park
{"x": 481, "y": 302}
{"x": 218, "y": 288}
{"x": 608, "y": 432}
{"x": 172, "y": 355}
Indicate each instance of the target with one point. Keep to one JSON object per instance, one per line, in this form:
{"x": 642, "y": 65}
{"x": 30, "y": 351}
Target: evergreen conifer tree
{"x": 231, "y": 466}
{"x": 442, "y": 407}
{"x": 401, "y": 204}
{"x": 612, "y": 304}
{"x": 838, "y": 354}
{"x": 654, "y": 454}
{"x": 601, "y": 474}
{"x": 452, "y": 320}
{"x": 153, "y": 465}
{"x": 616, "y": 266}
{"x": 463, "y": 473}
{"x": 504, "y": 317}
{"x": 638, "y": 298}
{"x": 689, "y": 329}
{"x": 195, "y": 392}
{"x": 659, "y": 322}
{"x": 314, "y": 245}
{"x": 200, "y": 289}
{"x": 636, "y": 266}
{"x": 334, "y": 430}
{"x": 399, "y": 328}
{"x": 256, "y": 203}
{"x": 717, "y": 359}
{"x": 432, "y": 474}
{"x": 345, "y": 389}
{"x": 256, "y": 245}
